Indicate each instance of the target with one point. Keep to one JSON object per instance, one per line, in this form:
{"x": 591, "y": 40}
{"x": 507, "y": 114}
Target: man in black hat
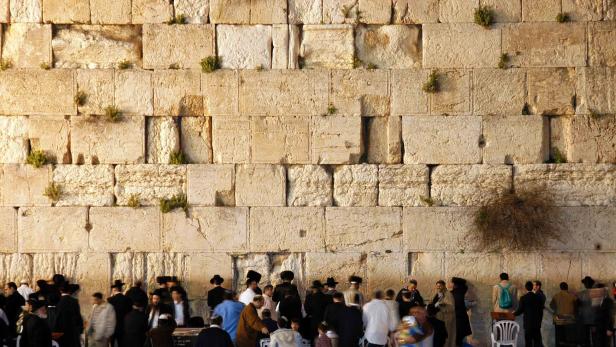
{"x": 36, "y": 331}
{"x": 155, "y": 309}
{"x": 281, "y": 290}
{"x": 163, "y": 291}
{"x": 215, "y": 295}
{"x": 315, "y": 305}
{"x": 135, "y": 327}
{"x": 353, "y": 291}
{"x": 330, "y": 286}
{"x": 136, "y": 293}
{"x": 68, "y": 320}
{"x": 122, "y": 305}
{"x": 14, "y": 302}
{"x": 252, "y": 287}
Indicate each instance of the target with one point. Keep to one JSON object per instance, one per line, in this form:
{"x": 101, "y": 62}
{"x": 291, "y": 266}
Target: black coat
{"x": 350, "y": 327}
{"x": 291, "y": 307}
{"x": 135, "y": 328}
{"x": 416, "y": 298}
{"x": 161, "y": 336}
{"x": 315, "y": 306}
{"x": 13, "y": 305}
{"x": 283, "y": 289}
{"x": 122, "y": 306}
{"x": 136, "y": 294}
{"x": 36, "y": 332}
{"x": 532, "y": 309}
{"x": 440, "y": 331}
{"x": 463, "y": 324}
{"x": 161, "y": 308}
{"x": 334, "y": 314}
{"x": 215, "y": 296}
{"x": 214, "y": 337}
{"x": 68, "y": 322}
{"x": 165, "y": 295}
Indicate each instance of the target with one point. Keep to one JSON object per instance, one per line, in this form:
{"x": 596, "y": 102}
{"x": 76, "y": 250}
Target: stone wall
{"x": 313, "y": 149}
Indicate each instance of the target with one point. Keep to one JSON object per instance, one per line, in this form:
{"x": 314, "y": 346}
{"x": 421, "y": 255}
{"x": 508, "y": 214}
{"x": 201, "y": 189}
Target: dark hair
{"x": 228, "y": 295}
{"x": 282, "y": 322}
{"x": 504, "y": 276}
{"x": 378, "y": 294}
{"x": 528, "y": 286}
{"x": 564, "y": 286}
{"x": 269, "y": 286}
{"x": 98, "y": 295}
{"x": 537, "y": 282}
{"x": 266, "y": 313}
{"x": 216, "y": 320}
{"x": 12, "y": 285}
{"x": 322, "y": 327}
{"x": 390, "y": 293}
{"x": 440, "y": 282}
{"x": 338, "y": 296}
{"x": 413, "y": 281}
{"x": 407, "y": 295}
{"x": 296, "y": 320}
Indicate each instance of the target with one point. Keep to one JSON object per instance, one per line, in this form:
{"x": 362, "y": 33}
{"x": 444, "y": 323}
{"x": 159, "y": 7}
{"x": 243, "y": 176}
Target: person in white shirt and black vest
{"x": 181, "y": 311}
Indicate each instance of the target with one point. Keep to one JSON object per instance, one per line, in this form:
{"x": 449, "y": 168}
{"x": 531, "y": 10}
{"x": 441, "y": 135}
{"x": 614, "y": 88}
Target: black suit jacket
{"x": 215, "y": 296}
{"x": 135, "y": 328}
{"x": 122, "y": 306}
{"x": 315, "y": 306}
{"x": 440, "y": 331}
{"x": 161, "y": 308}
{"x": 36, "y": 332}
{"x": 14, "y": 302}
{"x": 68, "y": 321}
{"x": 350, "y": 327}
{"x": 214, "y": 337}
{"x": 531, "y": 307}
{"x": 282, "y": 289}
{"x": 333, "y": 314}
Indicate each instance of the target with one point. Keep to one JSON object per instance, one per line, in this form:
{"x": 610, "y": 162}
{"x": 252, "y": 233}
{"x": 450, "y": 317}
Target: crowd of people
{"x": 277, "y": 315}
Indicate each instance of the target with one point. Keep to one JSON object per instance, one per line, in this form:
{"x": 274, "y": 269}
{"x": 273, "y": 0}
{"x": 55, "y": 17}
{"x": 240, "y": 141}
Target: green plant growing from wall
{"x": 371, "y": 66}
{"x": 331, "y": 109}
{"x": 125, "y": 64}
{"x": 177, "y": 201}
{"x": 557, "y": 157}
{"x": 431, "y": 85}
{"x": 562, "y": 17}
{"x": 53, "y": 192}
{"x": 80, "y": 98}
{"x": 503, "y": 61}
{"x": 177, "y": 158}
{"x": 484, "y": 16}
{"x": 5, "y": 64}
{"x": 133, "y": 201}
{"x": 179, "y": 19}
{"x": 526, "y": 109}
{"x": 210, "y": 64}
{"x": 174, "y": 66}
{"x": 37, "y": 158}
{"x": 45, "y": 66}
{"x": 113, "y": 114}
{"x": 426, "y": 200}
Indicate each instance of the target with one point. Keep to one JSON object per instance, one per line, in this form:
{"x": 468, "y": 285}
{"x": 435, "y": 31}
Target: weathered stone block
{"x": 151, "y": 11}
{"x": 98, "y": 87}
{"x": 451, "y": 11}
{"x": 601, "y": 51}
{"x": 340, "y": 265}
{"x": 220, "y": 93}
{"x": 569, "y": 184}
{"x": 13, "y": 139}
{"x": 260, "y": 185}
{"x": 415, "y": 12}
{"x": 281, "y": 35}
{"x": 27, "y": 45}
{"x": 84, "y": 185}
{"x": 66, "y": 11}
{"x": 441, "y": 139}
{"x": 53, "y": 89}
{"x": 268, "y": 12}
{"x": 505, "y": 11}
{"x": 245, "y": 12}
{"x": 585, "y": 139}
{"x": 110, "y": 11}
{"x": 545, "y": 44}
{"x": 196, "y": 139}
{"x": 356, "y": 185}
{"x": 26, "y": 11}
{"x": 283, "y": 92}
{"x": 4, "y": 11}
{"x": 515, "y": 139}
{"x": 454, "y": 95}
{"x": 163, "y": 139}
{"x": 426, "y": 268}
{"x": 469, "y": 185}
{"x": 305, "y": 11}
{"x": 375, "y": 11}
{"x": 460, "y": 45}
{"x": 283, "y": 140}
{"x": 384, "y": 140}
{"x": 51, "y": 135}
{"x": 17, "y": 266}
{"x": 183, "y": 45}
{"x": 211, "y": 185}
{"x": 177, "y": 93}
{"x": 595, "y": 90}
{"x": 327, "y": 46}
{"x": 478, "y": 267}
{"x": 421, "y": 222}
{"x": 389, "y": 46}
{"x": 540, "y": 11}
{"x": 149, "y": 183}
{"x": 497, "y": 91}
{"x": 96, "y": 46}
{"x": 407, "y": 95}
{"x": 309, "y": 185}
{"x": 336, "y": 139}
{"x": 288, "y": 229}
{"x": 341, "y": 11}
{"x": 52, "y": 229}
{"x": 360, "y": 92}
{"x": 206, "y": 229}
{"x": 95, "y": 141}
{"x": 561, "y": 267}
{"x": 24, "y": 185}
{"x": 363, "y": 229}
{"x": 386, "y": 270}
{"x": 269, "y": 265}
{"x": 195, "y": 11}
{"x": 584, "y": 10}
{"x": 122, "y": 229}
{"x": 244, "y": 47}
{"x": 231, "y": 140}
{"x": 200, "y": 268}
{"x": 93, "y": 273}
{"x": 133, "y": 92}
{"x": 403, "y": 185}
{"x": 551, "y": 91}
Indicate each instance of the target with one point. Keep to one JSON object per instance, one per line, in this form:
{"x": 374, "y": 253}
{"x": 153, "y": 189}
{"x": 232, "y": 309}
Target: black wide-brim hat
{"x": 355, "y": 279}
{"x": 36, "y": 303}
{"x": 118, "y": 284}
{"x": 588, "y": 280}
{"x": 217, "y": 280}
{"x": 287, "y": 275}
{"x": 253, "y": 275}
{"x": 162, "y": 279}
{"x": 330, "y": 282}
{"x": 316, "y": 284}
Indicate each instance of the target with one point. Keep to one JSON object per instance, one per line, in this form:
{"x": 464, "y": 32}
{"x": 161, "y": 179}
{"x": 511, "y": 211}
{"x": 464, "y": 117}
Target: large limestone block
{"x": 26, "y": 11}
{"x": 521, "y": 266}
{"x": 110, "y": 11}
{"x": 585, "y": 139}
{"x": 454, "y": 95}
{"x": 196, "y": 139}
{"x": 151, "y": 11}
{"x": 51, "y": 135}
{"x": 93, "y": 273}
{"x": 27, "y": 45}
{"x": 84, "y": 185}
{"x": 309, "y": 185}
{"x": 95, "y": 140}
{"x": 375, "y": 11}
{"x": 98, "y": 86}
{"x": 341, "y": 11}
{"x": 598, "y": 266}
{"x": 283, "y": 92}
{"x": 415, "y": 12}
{"x": 182, "y": 45}
{"x": 244, "y": 47}
{"x": 280, "y": 140}
{"x": 231, "y": 140}
{"x": 356, "y": 185}
{"x": 206, "y": 229}
{"x": 460, "y": 45}
{"x": 407, "y": 96}
{"x": 288, "y": 229}
{"x": 13, "y": 139}
{"x": 163, "y": 139}
{"x": 53, "y": 90}
{"x": 96, "y": 46}
{"x": 260, "y": 185}
{"x": 269, "y": 265}
{"x": 149, "y": 183}
{"x": 327, "y": 46}
{"x": 220, "y": 93}
{"x": 441, "y": 139}
{"x": 596, "y": 90}
{"x": 505, "y": 11}
{"x": 569, "y": 184}
{"x": 245, "y": 11}
{"x": 200, "y": 268}
{"x": 177, "y": 93}
{"x": 45, "y": 265}
{"x": 24, "y": 185}
{"x": 360, "y": 92}
{"x": 601, "y": 51}
{"x": 426, "y": 268}
{"x": 540, "y": 10}
{"x": 561, "y": 267}
{"x": 8, "y": 230}
{"x": 121, "y": 229}
{"x": 545, "y": 44}
{"x": 497, "y": 91}
{"x": 305, "y": 11}
{"x": 403, "y": 185}
{"x": 339, "y": 265}
{"x": 469, "y": 185}
{"x": 363, "y": 229}
{"x": 451, "y": 11}
{"x": 386, "y": 270}
{"x": 389, "y": 46}
{"x": 551, "y": 91}
{"x": 384, "y": 140}
{"x": 583, "y": 228}
{"x": 4, "y": 11}
{"x": 66, "y": 11}
{"x": 515, "y": 139}
{"x": 134, "y": 92}
{"x": 158, "y": 264}
{"x": 268, "y": 12}
{"x": 52, "y": 229}
{"x": 129, "y": 266}
{"x": 336, "y": 140}
{"x": 585, "y": 10}
{"x": 17, "y": 266}
{"x": 211, "y": 185}
{"x": 195, "y": 11}
{"x": 439, "y": 229}
{"x": 281, "y": 34}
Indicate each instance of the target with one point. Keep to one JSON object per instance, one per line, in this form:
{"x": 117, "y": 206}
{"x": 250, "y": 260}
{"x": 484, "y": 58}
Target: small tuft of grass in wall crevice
{"x": 503, "y": 61}
{"x": 562, "y": 17}
{"x": 125, "y": 64}
{"x": 133, "y": 201}
{"x": 37, "y": 158}
{"x": 210, "y": 64}
{"x": 113, "y": 114}
{"x": 5, "y": 64}
{"x": 80, "y": 98}
{"x": 53, "y": 192}
{"x": 177, "y": 158}
{"x": 432, "y": 84}
{"x": 175, "y": 202}
{"x": 484, "y": 16}
{"x": 178, "y": 19}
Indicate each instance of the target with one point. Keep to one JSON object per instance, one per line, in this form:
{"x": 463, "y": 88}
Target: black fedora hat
{"x": 331, "y": 282}
{"x": 355, "y": 279}
{"x": 217, "y": 280}
{"x": 316, "y": 284}
{"x": 118, "y": 284}
{"x": 253, "y": 275}
{"x": 287, "y": 275}
{"x": 588, "y": 281}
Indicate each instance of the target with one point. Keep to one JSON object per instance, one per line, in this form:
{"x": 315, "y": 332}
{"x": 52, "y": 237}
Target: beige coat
{"x": 447, "y": 313}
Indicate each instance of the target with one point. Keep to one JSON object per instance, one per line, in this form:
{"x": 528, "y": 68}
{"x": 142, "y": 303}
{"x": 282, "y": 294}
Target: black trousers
{"x": 532, "y": 337}
{"x": 564, "y": 335}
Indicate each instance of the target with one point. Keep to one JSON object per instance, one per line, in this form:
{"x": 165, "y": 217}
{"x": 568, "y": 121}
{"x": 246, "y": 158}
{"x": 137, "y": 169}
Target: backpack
{"x": 504, "y": 300}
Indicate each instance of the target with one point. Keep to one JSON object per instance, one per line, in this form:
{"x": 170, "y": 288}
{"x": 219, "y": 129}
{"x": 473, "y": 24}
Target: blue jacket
{"x": 230, "y": 312}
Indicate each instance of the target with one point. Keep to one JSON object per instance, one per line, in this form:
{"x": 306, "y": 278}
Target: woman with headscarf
{"x": 463, "y": 324}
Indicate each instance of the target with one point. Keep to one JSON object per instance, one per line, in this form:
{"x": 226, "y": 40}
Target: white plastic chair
{"x": 264, "y": 343}
{"x": 505, "y": 333}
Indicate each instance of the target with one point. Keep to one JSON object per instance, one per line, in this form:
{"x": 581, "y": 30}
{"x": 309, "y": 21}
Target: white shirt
{"x": 394, "y": 315}
{"x": 179, "y": 312}
{"x": 247, "y": 296}
{"x": 25, "y": 291}
{"x": 376, "y": 320}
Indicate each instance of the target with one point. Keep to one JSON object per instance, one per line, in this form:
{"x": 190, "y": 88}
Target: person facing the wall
{"x": 250, "y": 324}
{"x": 504, "y": 295}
